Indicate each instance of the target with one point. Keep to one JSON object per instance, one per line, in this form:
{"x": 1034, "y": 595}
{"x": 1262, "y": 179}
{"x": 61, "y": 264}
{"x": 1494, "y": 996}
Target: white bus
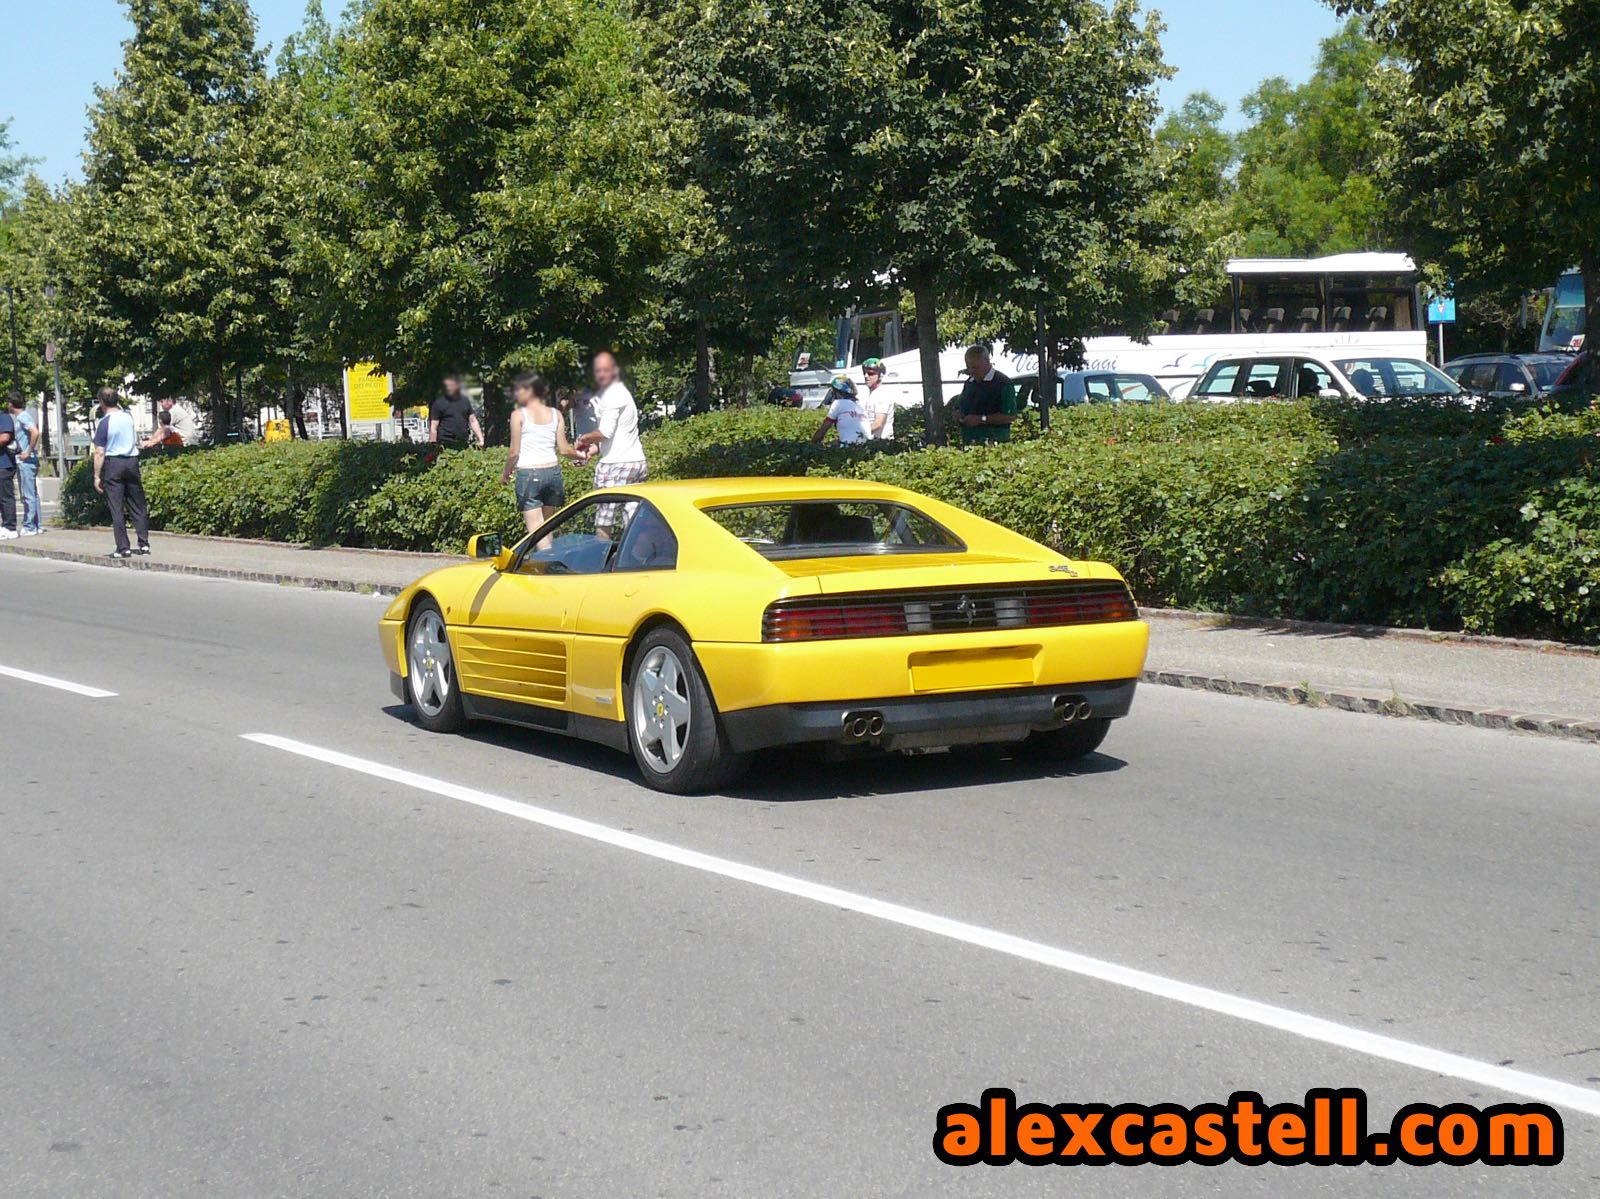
{"x": 1367, "y": 303}
{"x": 1565, "y": 316}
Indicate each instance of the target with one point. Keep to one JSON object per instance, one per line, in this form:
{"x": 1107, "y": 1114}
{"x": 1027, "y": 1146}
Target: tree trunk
{"x": 928, "y": 350}
{"x": 702, "y": 367}
{"x": 1591, "y": 317}
{"x": 1047, "y": 377}
{"x": 297, "y": 413}
{"x": 219, "y": 407}
{"x": 747, "y": 372}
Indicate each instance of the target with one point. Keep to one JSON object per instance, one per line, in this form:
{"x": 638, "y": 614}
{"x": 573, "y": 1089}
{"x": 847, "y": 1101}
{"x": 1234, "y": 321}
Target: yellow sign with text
{"x": 366, "y": 392}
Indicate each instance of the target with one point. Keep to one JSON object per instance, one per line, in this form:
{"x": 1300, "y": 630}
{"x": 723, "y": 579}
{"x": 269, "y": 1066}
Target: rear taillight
{"x": 947, "y": 610}
{"x": 818, "y": 622}
{"x": 1087, "y": 607}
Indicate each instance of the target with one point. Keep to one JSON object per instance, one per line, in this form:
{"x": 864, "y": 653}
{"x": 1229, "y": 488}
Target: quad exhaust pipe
{"x": 1070, "y": 709}
{"x": 862, "y": 727}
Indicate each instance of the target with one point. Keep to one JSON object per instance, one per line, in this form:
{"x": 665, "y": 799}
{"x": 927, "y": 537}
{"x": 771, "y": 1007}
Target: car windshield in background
{"x": 1381, "y": 378}
{"x": 834, "y": 529}
{"x": 1547, "y": 372}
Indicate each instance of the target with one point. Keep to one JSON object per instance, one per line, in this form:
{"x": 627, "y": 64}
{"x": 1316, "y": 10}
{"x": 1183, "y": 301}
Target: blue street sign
{"x": 1442, "y": 310}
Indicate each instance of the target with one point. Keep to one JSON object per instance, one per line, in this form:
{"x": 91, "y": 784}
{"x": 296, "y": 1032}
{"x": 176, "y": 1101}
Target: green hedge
{"x": 1428, "y": 514}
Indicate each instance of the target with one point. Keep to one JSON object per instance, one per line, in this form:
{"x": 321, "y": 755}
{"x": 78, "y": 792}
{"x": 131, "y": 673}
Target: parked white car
{"x": 1302, "y": 375}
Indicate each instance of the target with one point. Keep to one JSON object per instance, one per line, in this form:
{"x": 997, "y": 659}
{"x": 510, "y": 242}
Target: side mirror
{"x": 1518, "y": 389}
{"x": 1330, "y": 393}
{"x": 487, "y": 547}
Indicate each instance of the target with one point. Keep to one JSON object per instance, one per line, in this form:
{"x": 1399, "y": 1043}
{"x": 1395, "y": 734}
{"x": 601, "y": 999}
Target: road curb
{"x": 1363, "y": 632}
{"x": 310, "y": 582}
{"x": 1377, "y": 703}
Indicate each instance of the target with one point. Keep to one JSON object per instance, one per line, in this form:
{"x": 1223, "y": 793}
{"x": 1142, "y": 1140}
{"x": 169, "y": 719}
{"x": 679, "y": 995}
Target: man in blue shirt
{"x": 27, "y": 445}
{"x": 8, "y": 477}
{"x": 116, "y": 473}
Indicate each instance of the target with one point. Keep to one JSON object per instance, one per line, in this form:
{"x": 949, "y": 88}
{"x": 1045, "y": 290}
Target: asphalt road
{"x": 231, "y": 969}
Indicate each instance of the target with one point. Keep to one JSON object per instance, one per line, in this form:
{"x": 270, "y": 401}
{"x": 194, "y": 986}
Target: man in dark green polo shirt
{"x": 988, "y": 403}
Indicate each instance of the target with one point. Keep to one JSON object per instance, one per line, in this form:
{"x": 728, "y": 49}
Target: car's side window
{"x": 648, "y": 543}
{"x": 570, "y": 545}
{"x": 1311, "y": 379}
{"x": 1133, "y": 389}
{"x": 1222, "y": 381}
{"x": 1265, "y": 379}
{"x": 1511, "y": 373}
{"x": 1410, "y": 380}
{"x": 1099, "y": 389}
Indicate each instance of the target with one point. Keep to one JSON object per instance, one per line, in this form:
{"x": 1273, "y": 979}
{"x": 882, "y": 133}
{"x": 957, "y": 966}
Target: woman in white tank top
{"x": 538, "y": 443}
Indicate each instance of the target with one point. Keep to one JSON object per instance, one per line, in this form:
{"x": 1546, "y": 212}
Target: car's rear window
{"x": 834, "y": 529}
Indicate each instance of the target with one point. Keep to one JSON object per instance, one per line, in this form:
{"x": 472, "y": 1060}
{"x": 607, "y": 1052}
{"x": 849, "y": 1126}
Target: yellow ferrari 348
{"x": 694, "y": 624}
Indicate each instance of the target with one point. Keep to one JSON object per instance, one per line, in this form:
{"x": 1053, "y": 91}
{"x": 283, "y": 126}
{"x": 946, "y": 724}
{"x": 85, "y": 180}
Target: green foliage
{"x": 997, "y": 151}
{"x": 1306, "y": 180}
{"x": 1299, "y": 179}
{"x": 1544, "y": 581}
{"x": 488, "y": 189}
{"x": 30, "y": 237}
{"x": 13, "y": 167}
{"x": 1487, "y": 144}
{"x": 1437, "y": 515}
{"x": 175, "y": 235}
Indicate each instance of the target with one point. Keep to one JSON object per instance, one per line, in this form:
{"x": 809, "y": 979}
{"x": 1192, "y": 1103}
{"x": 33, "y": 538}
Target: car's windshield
{"x": 834, "y": 528}
{"x": 1380, "y": 378}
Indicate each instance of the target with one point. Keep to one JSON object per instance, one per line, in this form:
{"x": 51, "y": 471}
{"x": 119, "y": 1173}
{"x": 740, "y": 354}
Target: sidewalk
{"x": 367, "y": 571}
{"x": 1487, "y": 682}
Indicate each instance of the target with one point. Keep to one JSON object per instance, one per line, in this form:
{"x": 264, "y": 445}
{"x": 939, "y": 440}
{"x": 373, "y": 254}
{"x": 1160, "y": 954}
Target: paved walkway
{"x": 258, "y": 561}
{"x": 1480, "y": 681}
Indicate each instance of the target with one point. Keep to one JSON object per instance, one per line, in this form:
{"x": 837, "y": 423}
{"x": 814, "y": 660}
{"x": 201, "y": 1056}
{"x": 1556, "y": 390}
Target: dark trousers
{"x": 8, "y": 498}
{"x": 124, "y": 484}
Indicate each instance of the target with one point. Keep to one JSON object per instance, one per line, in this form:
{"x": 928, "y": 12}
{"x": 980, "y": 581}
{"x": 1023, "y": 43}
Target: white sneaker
{"x": 31, "y": 532}
{"x": 9, "y": 535}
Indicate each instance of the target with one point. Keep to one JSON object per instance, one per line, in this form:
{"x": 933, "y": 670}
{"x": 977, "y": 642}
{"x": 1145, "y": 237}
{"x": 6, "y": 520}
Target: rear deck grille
{"x": 947, "y": 610}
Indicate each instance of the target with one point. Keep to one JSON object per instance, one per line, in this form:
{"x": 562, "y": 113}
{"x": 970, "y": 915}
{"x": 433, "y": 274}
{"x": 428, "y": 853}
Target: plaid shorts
{"x": 616, "y": 474}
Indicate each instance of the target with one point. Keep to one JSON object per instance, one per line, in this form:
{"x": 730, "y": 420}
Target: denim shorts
{"x": 540, "y": 488}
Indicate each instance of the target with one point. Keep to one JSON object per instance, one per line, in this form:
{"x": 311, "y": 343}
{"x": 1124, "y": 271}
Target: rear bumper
{"x": 927, "y": 721}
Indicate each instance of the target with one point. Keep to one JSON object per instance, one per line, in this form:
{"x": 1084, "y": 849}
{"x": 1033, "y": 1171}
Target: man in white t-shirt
{"x": 845, "y": 413}
{"x": 620, "y": 459}
{"x": 880, "y": 407}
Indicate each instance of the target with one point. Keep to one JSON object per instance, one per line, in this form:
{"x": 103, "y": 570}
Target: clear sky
{"x": 53, "y": 54}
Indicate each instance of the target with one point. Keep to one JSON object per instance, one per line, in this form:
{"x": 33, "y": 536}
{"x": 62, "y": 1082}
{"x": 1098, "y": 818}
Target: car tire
{"x": 673, "y": 726}
{"x": 1068, "y": 744}
{"x": 431, "y": 682}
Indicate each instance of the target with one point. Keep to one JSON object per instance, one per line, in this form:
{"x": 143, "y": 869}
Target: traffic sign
{"x": 1442, "y": 310}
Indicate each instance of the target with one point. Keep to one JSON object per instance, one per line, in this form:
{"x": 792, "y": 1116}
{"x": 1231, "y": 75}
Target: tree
{"x": 489, "y": 190}
{"x": 13, "y": 169}
{"x": 1488, "y": 146}
{"x": 992, "y": 151}
{"x": 177, "y": 249}
{"x": 30, "y": 233}
{"x": 1194, "y": 136}
{"x": 1306, "y": 182}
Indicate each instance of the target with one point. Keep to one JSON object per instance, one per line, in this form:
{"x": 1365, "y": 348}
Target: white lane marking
{"x": 1313, "y": 1028}
{"x": 44, "y": 680}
